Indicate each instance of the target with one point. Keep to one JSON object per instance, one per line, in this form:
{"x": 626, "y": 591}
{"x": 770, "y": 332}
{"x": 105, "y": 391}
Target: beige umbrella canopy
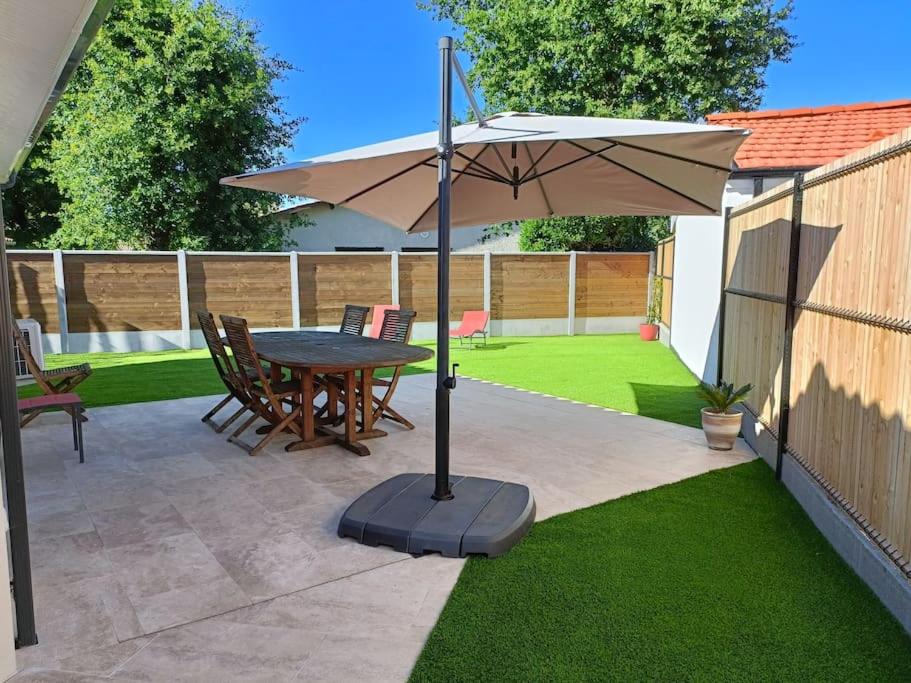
{"x": 520, "y": 166}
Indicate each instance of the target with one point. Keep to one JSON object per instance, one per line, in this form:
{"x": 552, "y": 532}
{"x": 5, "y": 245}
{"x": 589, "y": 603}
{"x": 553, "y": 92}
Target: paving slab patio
{"x": 173, "y": 555}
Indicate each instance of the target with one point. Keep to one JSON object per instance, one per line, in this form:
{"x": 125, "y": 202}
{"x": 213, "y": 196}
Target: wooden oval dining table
{"x": 308, "y": 354}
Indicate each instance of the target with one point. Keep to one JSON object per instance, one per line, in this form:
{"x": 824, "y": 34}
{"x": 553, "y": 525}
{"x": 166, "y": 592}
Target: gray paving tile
{"x": 138, "y": 523}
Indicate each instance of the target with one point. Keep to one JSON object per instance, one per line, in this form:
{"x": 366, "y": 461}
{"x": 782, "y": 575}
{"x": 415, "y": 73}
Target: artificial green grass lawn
{"x": 615, "y": 371}
{"x": 719, "y": 577}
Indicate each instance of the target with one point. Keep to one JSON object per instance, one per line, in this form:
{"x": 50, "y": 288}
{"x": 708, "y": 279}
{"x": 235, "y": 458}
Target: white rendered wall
{"x": 697, "y": 281}
{"x": 341, "y": 227}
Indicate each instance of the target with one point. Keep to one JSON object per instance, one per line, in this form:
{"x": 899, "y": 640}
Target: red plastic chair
{"x": 69, "y": 402}
{"x": 473, "y": 322}
{"x": 379, "y": 313}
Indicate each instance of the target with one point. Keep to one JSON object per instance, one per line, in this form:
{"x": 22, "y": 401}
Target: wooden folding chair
{"x": 226, "y": 372}
{"x": 269, "y": 399}
{"x": 51, "y": 382}
{"x": 397, "y": 327}
{"x": 354, "y": 319}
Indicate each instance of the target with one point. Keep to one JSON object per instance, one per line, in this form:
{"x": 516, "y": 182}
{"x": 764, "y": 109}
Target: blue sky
{"x": 367, "y": 69}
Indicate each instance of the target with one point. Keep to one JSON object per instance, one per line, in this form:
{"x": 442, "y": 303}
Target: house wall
{"x": 697, "y": 280}
{"x": 341, "y": 227}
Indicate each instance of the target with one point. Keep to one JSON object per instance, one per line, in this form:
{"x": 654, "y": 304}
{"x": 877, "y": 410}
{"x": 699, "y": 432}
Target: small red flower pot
{"x": 648, "y": 331}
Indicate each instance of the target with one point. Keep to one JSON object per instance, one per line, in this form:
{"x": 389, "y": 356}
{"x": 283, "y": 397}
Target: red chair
{"x": 71, "y": 403}
{"x": 379, "y": 313}
{"x": 473, "y": 322}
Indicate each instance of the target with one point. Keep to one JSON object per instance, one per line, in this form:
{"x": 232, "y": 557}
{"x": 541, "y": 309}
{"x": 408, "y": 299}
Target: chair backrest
{"x": 397, "y": 325}
{"x": 248, "y": 365}
{"x": 214, "y": 343}
{"x": 34, "y": 370}
{"x": 353, "y": 319}
{"x": 379, "y": 313}
{"x": 475, "y": 321}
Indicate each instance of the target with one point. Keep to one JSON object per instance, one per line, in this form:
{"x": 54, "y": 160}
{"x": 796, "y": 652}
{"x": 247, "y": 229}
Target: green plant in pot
{"x": 720, "y": 423}
{"x": 648, "y": 331}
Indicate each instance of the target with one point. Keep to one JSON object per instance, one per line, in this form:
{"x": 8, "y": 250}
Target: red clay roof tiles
{"x": 810, "y": 137}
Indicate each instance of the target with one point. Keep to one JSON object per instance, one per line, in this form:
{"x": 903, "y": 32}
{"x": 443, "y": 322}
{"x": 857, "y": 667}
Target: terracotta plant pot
{"x": 648, "y": 331}
{"x": 721, "y": 429}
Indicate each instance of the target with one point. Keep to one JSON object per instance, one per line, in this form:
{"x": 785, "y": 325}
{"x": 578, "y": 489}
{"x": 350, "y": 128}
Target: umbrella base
{"x": 485, "y": 517}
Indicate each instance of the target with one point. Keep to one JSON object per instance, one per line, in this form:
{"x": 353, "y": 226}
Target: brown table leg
{"x": 349, "y": 439}
{"x": 308, "y": 427}
{"x": 366, "y": 389}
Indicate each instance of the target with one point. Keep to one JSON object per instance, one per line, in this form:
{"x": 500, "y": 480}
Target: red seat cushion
{"x": 49, "y": 401}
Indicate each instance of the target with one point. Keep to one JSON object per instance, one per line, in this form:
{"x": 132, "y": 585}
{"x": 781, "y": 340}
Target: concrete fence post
{"x": 184, "y": 299}
{"x": 394, "y": 275}
{"x": 487, "y": 290}
{"x": 571, "y": 302}
{"x": 295, "y": 292}
{"x": 60, "y": 286}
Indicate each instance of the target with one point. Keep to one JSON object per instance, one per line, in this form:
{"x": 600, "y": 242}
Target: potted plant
{"x": 648, "y": 331}
{"x": 721, "y": 424}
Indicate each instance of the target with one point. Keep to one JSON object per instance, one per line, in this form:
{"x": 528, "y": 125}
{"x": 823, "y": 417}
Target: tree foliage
{"x": 654, "y": 59}
{"x": 172, "y": 96}
{"x": 592, "y": 233}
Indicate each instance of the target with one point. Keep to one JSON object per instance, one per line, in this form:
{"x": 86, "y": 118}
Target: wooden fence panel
{"x": 529, "y": 286}
{"x": 129, "y": 292}
{"x": 418, "y": 284}
{"x": 254, "y": 287}
{"x": 664, "y": 273}
{"x": 757, "y": 263}
{"x": 33, "y": 290}
{"x": 850, "y": 397}
{"x": 328, "y": 281}
{"x": 611, "y": 284}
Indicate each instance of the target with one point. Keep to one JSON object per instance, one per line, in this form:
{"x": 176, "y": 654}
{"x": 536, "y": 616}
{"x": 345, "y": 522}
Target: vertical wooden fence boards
{"x": 329, "y": 281}
{"x": 664, "y": 269}
{"x": 529, "y": 286}
{"x": 33, "y": 291}
{"x": 131, "y": 292}
{"x": 418, "y": 284}
{"x": 614, "y": 287}
{"x": 254, "y": 287}
{"x": 757, "y": 276}
{"x": 850, "y": 384}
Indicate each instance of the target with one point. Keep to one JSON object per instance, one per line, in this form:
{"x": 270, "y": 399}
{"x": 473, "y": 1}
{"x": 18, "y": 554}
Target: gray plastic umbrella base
{"x": 485, "y": 517}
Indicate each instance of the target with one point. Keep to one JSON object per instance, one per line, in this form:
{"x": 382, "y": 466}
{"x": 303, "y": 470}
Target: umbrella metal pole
{"x": 445, "y": 383}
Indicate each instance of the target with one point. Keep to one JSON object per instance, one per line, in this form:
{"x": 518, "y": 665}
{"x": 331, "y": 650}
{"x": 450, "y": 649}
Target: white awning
{"x": 41, "y": 43}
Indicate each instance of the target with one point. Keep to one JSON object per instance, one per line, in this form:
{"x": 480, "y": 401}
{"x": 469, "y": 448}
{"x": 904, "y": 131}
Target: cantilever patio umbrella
{"x": 508, "y": 166}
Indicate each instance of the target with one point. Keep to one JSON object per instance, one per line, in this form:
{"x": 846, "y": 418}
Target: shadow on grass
{"x": 672, "y": 403}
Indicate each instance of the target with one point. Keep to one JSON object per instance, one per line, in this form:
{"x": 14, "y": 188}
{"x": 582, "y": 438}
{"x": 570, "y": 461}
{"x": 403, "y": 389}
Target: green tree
{"x": 592, "y": 233}
{"x": 172, "y": 96}
{"x": 655, "y": 59}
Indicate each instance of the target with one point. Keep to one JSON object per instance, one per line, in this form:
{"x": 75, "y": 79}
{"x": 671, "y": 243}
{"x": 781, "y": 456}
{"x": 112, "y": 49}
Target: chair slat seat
{"x": 288, "y": 387}
{"x": 69, "y": 371}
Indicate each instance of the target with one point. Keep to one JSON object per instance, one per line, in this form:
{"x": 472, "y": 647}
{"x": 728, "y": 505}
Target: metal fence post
{"x": 184, "y": 299}
{"x": 295, "y": 292}
{"x": 60, "y": 286}
{"x": 784, "y": 413}
{"x": 571, "y": 303}
{"x": 722, "y": 302}
{"x": 394, "y": 274}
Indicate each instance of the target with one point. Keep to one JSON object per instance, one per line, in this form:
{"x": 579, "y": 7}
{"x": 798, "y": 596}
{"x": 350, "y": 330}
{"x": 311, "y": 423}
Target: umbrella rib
{"x": 666, "y": 154}
{"x": 384, "y": 181}
{"x": 648, "y": 178}
{"x": 473, "y": 174}
{"x": 571, "y": 162}
{"x": 471, "y": 160}
{"x": 534, "y": 164}
{"x": 550, "y": 209}
{"x": 474, "y": 162}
